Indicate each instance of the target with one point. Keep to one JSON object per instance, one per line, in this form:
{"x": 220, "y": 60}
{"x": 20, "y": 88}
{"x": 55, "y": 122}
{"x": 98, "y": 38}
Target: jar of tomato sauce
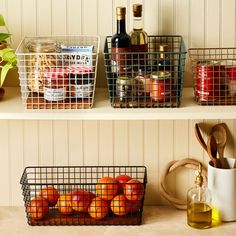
{"x": 160, "y": 86}
{"x": 55, "y": 84}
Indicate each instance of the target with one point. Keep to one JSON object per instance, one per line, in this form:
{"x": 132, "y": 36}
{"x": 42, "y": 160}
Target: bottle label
{"x": 142, "y": 58}
{"x": 120, "y": 59}
{"x": 83, "y": 91}
{"x": 53, "y": 94}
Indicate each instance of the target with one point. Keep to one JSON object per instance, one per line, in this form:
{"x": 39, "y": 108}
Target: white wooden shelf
{"x": 11, "y": 108}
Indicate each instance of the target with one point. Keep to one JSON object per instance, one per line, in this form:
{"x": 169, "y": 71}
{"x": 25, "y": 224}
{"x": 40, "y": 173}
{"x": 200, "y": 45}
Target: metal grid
{"x": 68, "y": 211}
{"x": 214, "y": 75}
{"x": 58, "y": 72}
{"x": 142, "y": 88}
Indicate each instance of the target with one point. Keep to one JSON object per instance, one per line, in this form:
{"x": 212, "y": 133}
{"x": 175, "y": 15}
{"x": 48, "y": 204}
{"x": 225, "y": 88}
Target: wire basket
{"x": 58, "y": 72}
{"x": 146, "y": 79}
{"x": 89, "y": 195}
{"x": 214, "y": 75}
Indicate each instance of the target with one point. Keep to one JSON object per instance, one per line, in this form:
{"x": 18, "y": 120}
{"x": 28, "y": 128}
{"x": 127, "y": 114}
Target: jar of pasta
{"x": 42, "y": 54}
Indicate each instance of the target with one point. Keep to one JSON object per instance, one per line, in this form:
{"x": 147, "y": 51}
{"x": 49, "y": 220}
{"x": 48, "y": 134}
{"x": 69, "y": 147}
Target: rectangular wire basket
{"x": 214, "y": 75}
{"x": 146, "y": 80}
{"x": 58, "y": 72}
{"x": 84, "y": 195}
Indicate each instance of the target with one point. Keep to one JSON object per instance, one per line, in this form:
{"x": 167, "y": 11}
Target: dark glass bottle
{"x": 120, "y": 45}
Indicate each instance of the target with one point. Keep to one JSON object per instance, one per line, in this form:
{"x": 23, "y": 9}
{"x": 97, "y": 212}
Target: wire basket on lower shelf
{"x": 146, "y": 79}
{"x": 84, "y": 195}
{"x": 214, "y": 75}
{"x": 58, "y": 72}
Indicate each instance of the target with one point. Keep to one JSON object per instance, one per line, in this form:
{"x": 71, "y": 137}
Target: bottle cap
{"x": 120, "y": 13}
{"x": 199, "y": 178}
{"x": 137, "y": 10}
{"x": 163, "y": 47}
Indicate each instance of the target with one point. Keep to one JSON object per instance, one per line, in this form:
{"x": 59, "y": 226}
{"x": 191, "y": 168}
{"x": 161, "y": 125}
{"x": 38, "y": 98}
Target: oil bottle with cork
{"x": 199, "y": 210}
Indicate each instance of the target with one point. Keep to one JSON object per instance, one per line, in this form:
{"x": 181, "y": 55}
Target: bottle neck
{"x": 137, "y": 23}
{"x": 121, "y": 28}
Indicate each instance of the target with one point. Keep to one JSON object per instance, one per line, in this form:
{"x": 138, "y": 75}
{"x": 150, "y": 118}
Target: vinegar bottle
{"x": 199, "y": 211}
{"x": 120, "y": 45}
{"x": 139, "y": 39}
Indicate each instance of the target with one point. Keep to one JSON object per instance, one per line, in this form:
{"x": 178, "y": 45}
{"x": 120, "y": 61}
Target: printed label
{"x": 83, "y": 91}
{"x": 52, "y": 94}
{"x": 120, "y": 59}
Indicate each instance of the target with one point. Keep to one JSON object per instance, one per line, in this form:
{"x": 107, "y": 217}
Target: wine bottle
{"x": 120, "y": 45}
{"x": 139, "y": 40}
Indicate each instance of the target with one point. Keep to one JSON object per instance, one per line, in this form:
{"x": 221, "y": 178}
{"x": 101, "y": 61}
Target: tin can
{"x": 125, "y": 88}
{"x": 55, "y": 84}
{"x": 230, "y": 76}
{"x": 208, "y": 84}
{"x": 160, "y": 84}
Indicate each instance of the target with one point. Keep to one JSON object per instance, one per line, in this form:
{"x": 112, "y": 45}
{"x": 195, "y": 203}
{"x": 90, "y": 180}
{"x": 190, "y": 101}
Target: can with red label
{"x": 55, "y": 84}
{"x": 208, "y": 80}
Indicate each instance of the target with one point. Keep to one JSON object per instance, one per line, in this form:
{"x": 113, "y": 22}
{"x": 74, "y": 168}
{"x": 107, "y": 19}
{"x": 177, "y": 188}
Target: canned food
{"x": 208, "y": 84}
{"x": 230, "y": 74}
{"x": 125, "y": 87}
{"x": 55, "y": 84}
{"x": 160, "y": 84}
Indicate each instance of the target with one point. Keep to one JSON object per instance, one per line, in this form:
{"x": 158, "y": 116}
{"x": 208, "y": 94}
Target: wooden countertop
{"x": 158, "y": 220}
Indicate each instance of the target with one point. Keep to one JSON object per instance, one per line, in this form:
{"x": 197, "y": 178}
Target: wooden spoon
{"x": 220, "y": 133}
{"x": 199, "y": 137}
{"x": 212, "y": 151}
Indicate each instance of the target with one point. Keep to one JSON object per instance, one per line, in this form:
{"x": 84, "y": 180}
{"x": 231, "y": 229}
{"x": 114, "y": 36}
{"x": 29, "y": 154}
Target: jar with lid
{"x": 81, "y": 82}
{"x": 143, "y": 84}
{"x": 55, "y": 84}
{"x": 41, "y": 56}
{"x": 125, "y": 88}
{"x": 160, "y": 84}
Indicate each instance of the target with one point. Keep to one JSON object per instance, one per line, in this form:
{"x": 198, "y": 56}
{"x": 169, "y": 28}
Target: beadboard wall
{"x": 151, "y": 143}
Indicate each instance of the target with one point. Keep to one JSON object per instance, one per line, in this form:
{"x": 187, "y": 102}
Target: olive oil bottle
{"x": 199, "y": 211}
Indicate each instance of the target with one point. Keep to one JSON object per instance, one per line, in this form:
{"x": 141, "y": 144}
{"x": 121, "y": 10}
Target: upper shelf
{"x": 11, "y": 108}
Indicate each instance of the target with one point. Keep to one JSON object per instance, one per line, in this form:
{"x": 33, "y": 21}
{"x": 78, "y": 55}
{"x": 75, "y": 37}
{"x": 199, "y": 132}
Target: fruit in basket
{"x": 135, "y": 206}
{"x": 64, "y": 204}
{"x": 98, "y": 209}
{"x": 134, "y": 190}
{"x": 38, "y": 208}
{"x": 120, "y": 205}
{"x": 122, "y": 179}
{"x": 81, "y": 199}
{"x": 107, "y": 188}
{"x": 50, "y": 194}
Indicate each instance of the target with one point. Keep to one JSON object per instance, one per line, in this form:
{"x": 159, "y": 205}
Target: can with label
{"x": 160, "y": 85}
{"x": 55, "y": 84}
{"x": 208, "y": 84}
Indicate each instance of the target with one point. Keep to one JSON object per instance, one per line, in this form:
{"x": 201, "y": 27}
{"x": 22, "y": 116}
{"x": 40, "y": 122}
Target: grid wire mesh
{"x": 214, "y": 75}
{"x": 151, "y": 81}
{"x": 75, "y": 191}
{"x": 58, "y": 72}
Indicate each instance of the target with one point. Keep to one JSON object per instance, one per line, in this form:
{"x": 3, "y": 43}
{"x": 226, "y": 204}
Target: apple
{"x": 50, "y": 194}
{"x": 135, "y": 206}
{"x": 81, "y": 199}
{"x": 64, "y": 204}
{"x": 120, "y": 205}
{"x": 98, "y": 209}
{"x": 122, "y": 179}
{"x": 38, "y": 208}
{"x": 134, "y": 190}
{"x": 107, "y": 188}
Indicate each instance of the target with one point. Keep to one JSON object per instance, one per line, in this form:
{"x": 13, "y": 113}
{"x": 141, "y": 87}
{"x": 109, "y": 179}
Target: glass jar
{"x": 160, "y": 84}
{"x": 42, "y": 55}
{"x": 125, "y": 88}
{"x": 55, "y": 84}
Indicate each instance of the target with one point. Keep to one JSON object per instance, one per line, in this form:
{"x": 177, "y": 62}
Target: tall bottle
{"x": 139, "y": 40}
{"x": 120, "y": 45}
{"x": 199, "y": 211}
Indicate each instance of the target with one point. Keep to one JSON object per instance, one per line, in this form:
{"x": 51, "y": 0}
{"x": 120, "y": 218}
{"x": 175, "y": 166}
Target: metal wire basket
{"x": 147, "y": 80}
{"x": 58, "y": 72}
{"x": 214, "y": 75}
{"x": 89, "y": 195}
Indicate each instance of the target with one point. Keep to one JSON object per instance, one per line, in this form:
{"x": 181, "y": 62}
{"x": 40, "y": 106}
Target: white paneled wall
{"x": 208, "y": 23}
{"x": 150, "y": 143}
